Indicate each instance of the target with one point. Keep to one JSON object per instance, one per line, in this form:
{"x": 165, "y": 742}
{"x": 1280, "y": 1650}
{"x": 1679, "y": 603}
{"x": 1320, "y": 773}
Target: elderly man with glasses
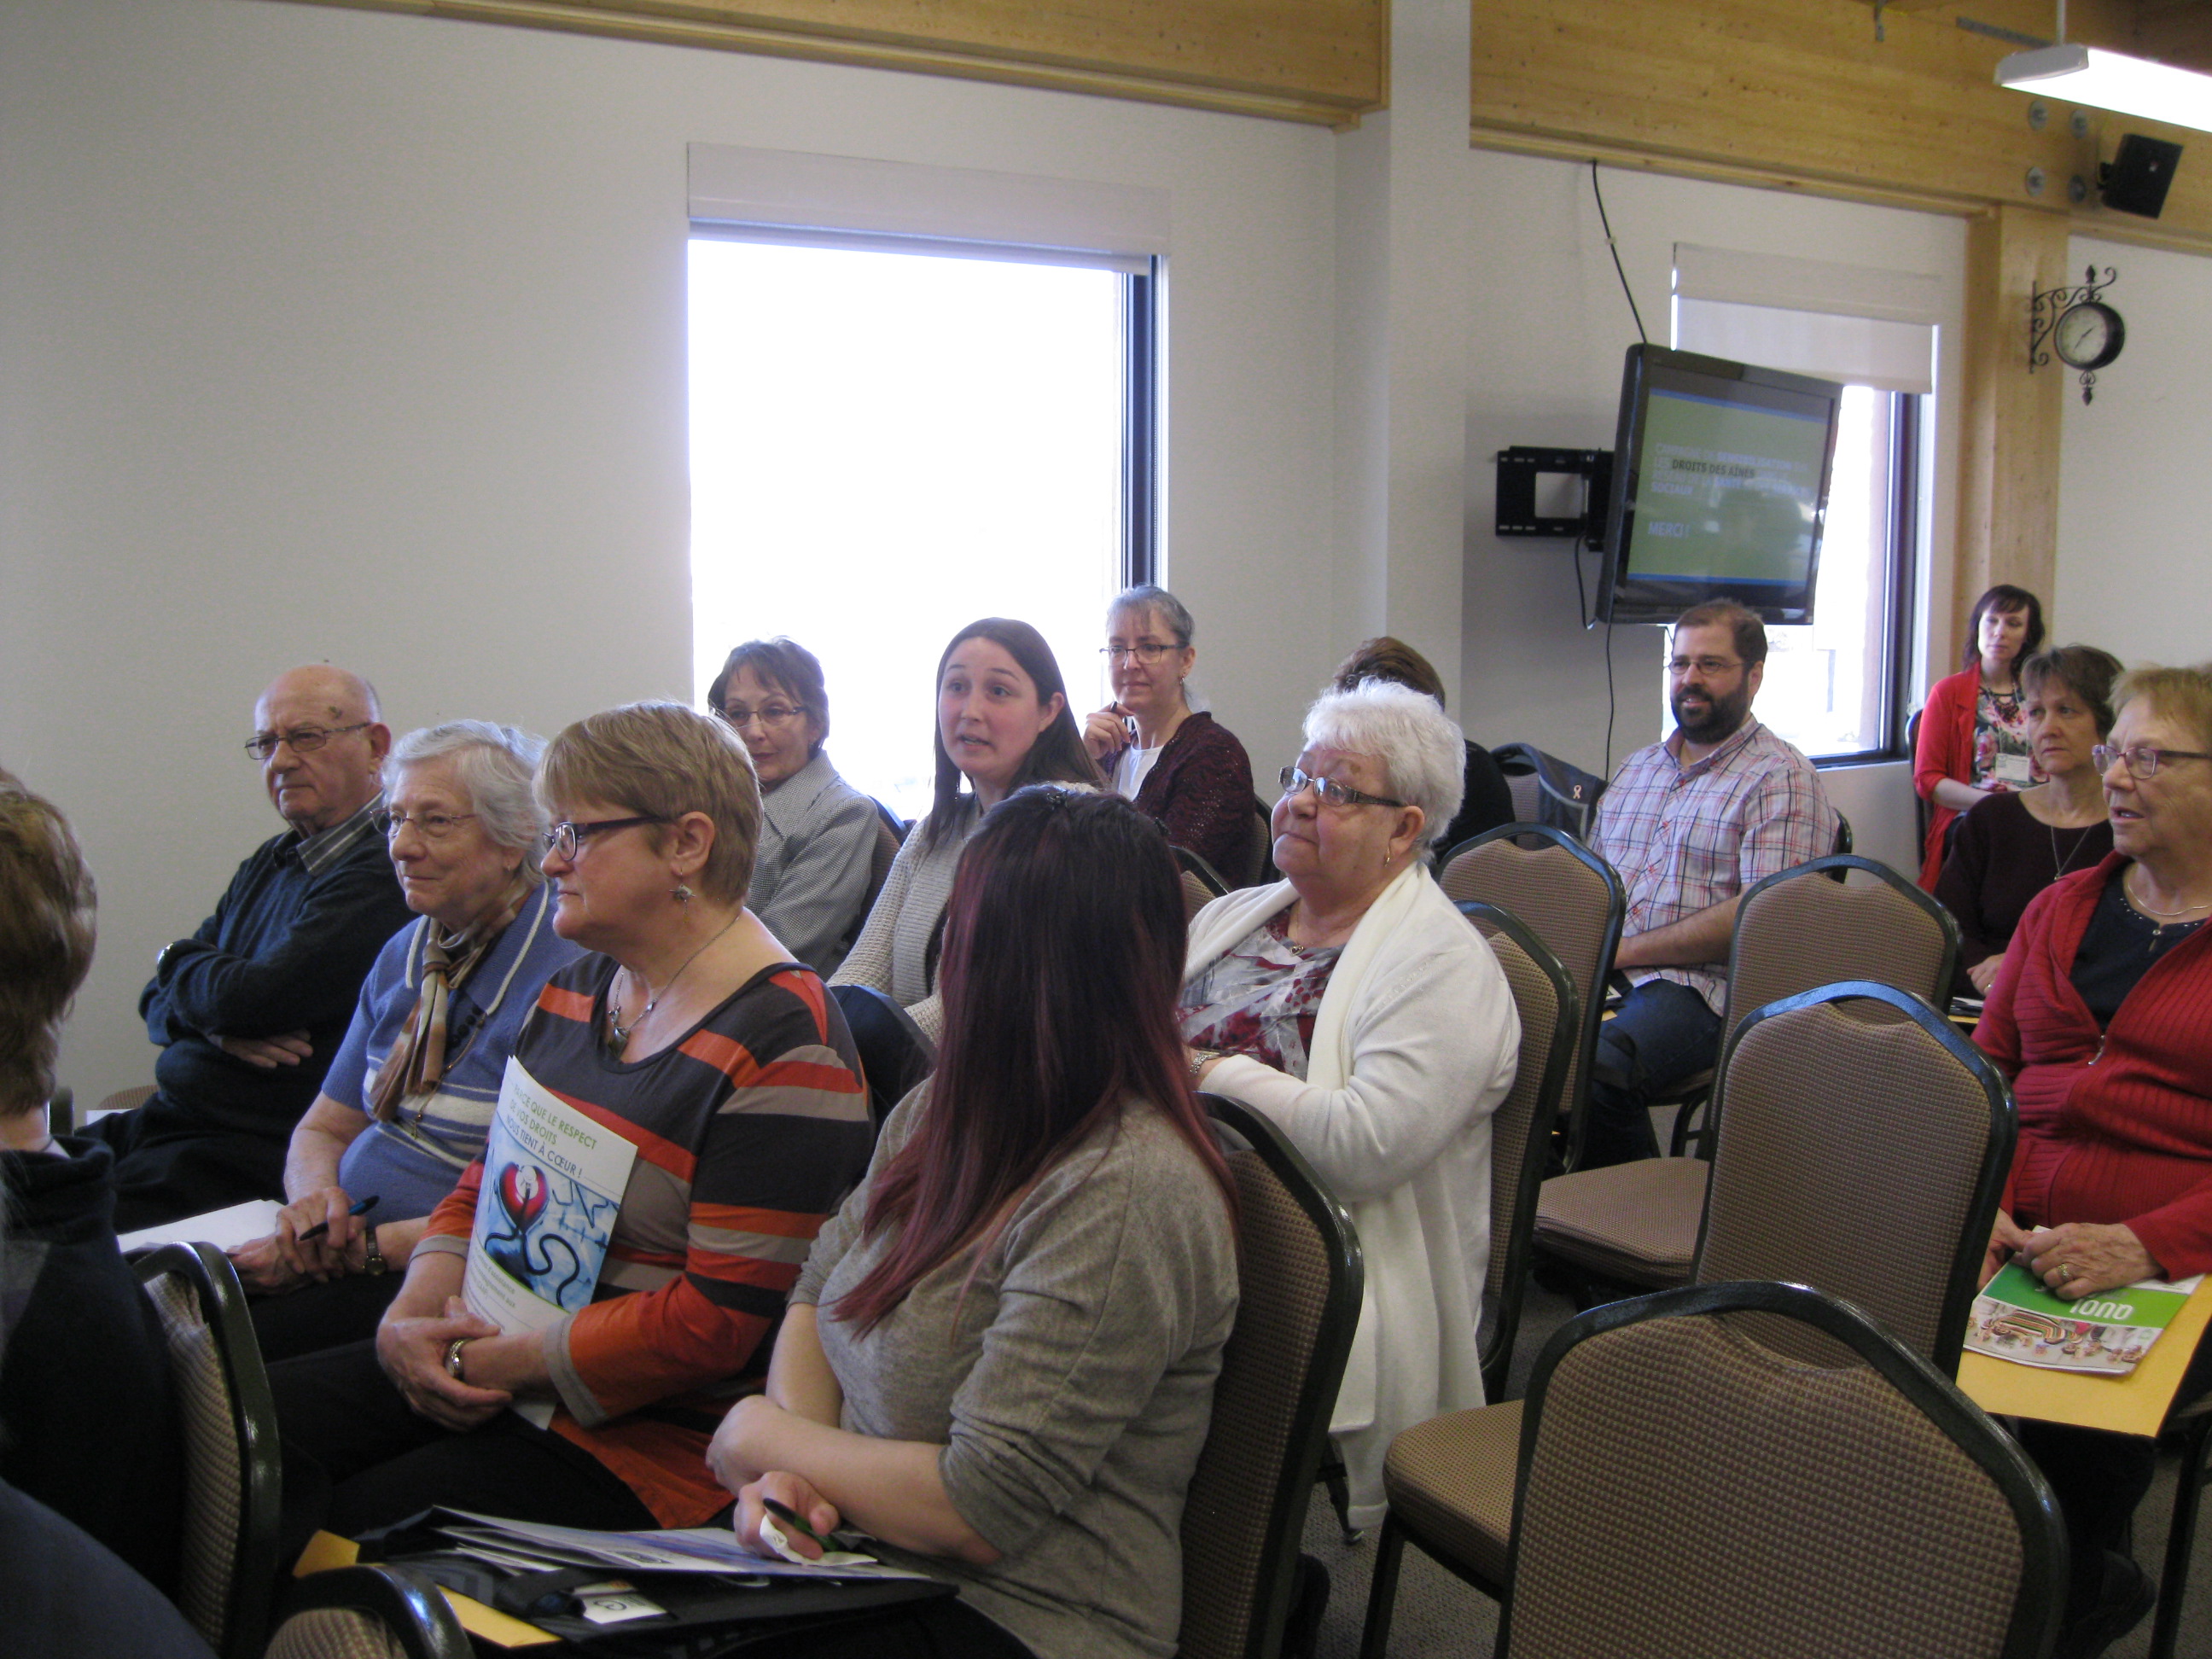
{"x": 249, "y": 1010}
{"x": 1692, "y": 824}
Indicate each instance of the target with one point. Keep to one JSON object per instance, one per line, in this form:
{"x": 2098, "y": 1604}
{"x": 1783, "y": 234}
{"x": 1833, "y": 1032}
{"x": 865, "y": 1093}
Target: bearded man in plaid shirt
{"x": 1690, "y": 825}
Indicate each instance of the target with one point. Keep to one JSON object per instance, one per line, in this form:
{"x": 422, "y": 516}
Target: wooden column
{"x": 2008, "y": 528}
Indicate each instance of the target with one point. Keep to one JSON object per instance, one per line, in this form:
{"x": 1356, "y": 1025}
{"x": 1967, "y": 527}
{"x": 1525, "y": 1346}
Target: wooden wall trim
{"x": 1324, "y": 61}
{"x": 2011, "y": 421}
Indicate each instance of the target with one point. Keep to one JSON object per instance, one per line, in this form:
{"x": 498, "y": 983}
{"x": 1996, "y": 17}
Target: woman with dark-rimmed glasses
{"x": 691, "y": 1035}
{"x": 817, "y": 834}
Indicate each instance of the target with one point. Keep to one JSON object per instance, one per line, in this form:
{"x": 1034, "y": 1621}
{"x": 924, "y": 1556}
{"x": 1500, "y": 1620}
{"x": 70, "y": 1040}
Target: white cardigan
{"x": 1415, "y": 1043}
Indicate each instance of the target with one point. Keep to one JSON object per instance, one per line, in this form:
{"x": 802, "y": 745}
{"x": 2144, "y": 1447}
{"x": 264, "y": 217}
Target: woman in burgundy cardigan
{"x": 1178, "y": 766}
{"x": 2102, "y": 1017}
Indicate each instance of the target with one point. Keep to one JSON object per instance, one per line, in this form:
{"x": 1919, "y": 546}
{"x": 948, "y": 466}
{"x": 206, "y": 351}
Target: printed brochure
{"x": 553, "y": 1180}
{"x": 2107, "y": 1334}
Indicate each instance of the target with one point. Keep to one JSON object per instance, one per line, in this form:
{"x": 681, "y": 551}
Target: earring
{"x": 682, "y": 894}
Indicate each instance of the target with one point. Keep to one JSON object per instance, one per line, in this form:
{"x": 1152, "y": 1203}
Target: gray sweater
{"x": 1069, "y": 1381}
{"x": 817, "y": 840}
{"x": 892, "y": 953}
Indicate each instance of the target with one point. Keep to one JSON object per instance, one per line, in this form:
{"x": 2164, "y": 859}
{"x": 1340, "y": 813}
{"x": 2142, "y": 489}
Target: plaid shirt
{"x": 1684, "y": 839}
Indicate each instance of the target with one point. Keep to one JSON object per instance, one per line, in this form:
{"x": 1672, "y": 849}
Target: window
{"x": 894, "y": 434}
{"x": 1834, "y": 687}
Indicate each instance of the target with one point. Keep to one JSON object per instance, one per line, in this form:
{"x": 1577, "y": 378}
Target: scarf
{"x": 417, "y": 1059}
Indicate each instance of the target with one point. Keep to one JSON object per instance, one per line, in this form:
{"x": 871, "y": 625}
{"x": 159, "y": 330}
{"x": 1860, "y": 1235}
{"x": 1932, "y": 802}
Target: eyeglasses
{"x": 1146, "y": 652}
{"x": 431, "y": 826}
{"x": 305, "y": 739}
{"x": 1710, "y": 667}
{"x": 1335, "y": 794}
{"x": 564, "y": 840}
{"x": 2142, "y": 760}
{"x": 771, "y": 714}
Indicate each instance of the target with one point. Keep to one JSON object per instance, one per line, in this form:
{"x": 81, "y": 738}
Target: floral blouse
{"x": 1260, "y": 998}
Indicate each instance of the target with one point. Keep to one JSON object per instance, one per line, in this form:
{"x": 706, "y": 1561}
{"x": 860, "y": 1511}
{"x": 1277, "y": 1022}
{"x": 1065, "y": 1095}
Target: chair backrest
{"x": 1559, "y": 793}
{"x": 896, "y": 1053}
{"x": 1684, "y": 1490}
{"x": 1201, "y": 883}
{"x": 1300, "y": 1278}
{"x": 372, "y": 1611}
{"x": 1793, "y": 933}
{"x": 1263, "y": 872}
{"x": 889, "y": 840}
{"x": 1844, "y": 841}
{"x": 1570, "y": 899}
{"x": 233, "y": 1484}
{"x": 1921, "y": 808}
{"x": 1551, "y": 1019}
{"x": 1860, "y": 1146}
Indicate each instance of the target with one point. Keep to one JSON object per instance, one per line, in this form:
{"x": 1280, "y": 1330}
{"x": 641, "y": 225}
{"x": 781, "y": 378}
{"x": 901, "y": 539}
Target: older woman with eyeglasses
{"x": 406, "y": 1103}
{"x": 1354, "y": 1005}
{"x": 1179, "y": 765}
{"x": 817, "y": 840}
{"x": 691, "y": 1035}
{"x": 2102, "y": 1017}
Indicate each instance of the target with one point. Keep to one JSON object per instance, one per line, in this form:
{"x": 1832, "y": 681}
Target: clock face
{"x": 2089, "y": 335}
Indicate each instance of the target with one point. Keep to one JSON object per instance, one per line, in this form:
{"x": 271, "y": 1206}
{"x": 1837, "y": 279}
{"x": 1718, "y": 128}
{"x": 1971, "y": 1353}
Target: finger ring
{"x": 2065, "y": 1272}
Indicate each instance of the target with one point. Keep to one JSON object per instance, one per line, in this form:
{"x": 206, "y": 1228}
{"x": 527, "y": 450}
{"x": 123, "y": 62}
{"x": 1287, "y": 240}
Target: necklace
{"x": 2080, "y": 840}
{"x": 2007, "y": 703}
{"x": 2148, "y": 911}
{"x": 614, "y": 1012}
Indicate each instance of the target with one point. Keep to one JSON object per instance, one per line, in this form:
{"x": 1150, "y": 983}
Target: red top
{"x": 1201, "y": 791}
{"x": 2115, "y": 1126}
{"x": 1945, "y": 749}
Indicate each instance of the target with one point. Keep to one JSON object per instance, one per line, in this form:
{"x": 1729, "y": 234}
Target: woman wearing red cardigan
{"x": 1973, "y": 733}
{"x": 2102, "y": 1017}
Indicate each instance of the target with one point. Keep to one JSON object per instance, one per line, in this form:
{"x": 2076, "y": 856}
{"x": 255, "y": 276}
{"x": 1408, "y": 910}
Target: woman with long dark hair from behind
{"x": 999, "y": 1359}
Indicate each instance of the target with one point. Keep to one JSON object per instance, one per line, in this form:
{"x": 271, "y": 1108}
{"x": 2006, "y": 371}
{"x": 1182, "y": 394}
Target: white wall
{"x": 2135, "y": 556}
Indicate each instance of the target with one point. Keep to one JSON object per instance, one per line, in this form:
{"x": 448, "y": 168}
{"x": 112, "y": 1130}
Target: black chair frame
{"x": 1836, "y": 866}
{"x": 894, "y": 1052}
{"x": 1307, "y": 1439}
{"x": 1592, "y": 1011}
{"x": 1191, "y": 864}
{"x": 1996, "y": 1158}
{"x": 2181, "y": 1535}
{"x": 1497, "y": 1331}
{"x": 2041, "y": 1600}
{"x": 253, "y": 1406}
{"x": 408, "y": 1606}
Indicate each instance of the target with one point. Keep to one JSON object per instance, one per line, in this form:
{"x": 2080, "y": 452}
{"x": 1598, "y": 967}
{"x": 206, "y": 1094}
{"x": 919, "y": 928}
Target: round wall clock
{"x": 2089, "y": 335}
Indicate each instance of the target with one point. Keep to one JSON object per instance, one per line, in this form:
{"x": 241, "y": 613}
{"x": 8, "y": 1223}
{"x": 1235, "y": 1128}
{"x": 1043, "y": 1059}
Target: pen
{"x": 322, "y": 1227}
{"x": 783, "y": 1512}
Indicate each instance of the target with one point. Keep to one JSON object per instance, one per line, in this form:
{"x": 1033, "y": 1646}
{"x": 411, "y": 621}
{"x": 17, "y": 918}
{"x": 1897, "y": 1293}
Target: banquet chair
{"x": 1636, "y": 1224}
{"x": 1641, "y": 1532}
{"x": 1851, "y": 1101}
{"x": 233, "y": 1480}
{"x": 1550, "y": 1019}
{"x": 1571, "y": 900}
{"x": 1247, "y": 1594}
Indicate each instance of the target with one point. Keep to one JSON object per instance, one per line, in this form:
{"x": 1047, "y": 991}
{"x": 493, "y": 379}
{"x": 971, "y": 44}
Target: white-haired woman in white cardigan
{"x": 1354, "y": 1006}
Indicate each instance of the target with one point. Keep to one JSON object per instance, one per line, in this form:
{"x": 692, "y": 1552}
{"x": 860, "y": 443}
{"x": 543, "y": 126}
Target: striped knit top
{"x": 2115, "y": 1124}
{"x": 748, "y": 1130}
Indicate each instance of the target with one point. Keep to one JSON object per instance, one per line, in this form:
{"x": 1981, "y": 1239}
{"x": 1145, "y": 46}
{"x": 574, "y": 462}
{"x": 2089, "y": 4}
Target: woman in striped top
{"x": 726, "y": 1066}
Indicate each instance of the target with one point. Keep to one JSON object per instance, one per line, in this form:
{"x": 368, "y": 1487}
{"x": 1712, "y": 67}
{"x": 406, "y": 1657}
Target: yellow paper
{"x": 2134, "y": 1404}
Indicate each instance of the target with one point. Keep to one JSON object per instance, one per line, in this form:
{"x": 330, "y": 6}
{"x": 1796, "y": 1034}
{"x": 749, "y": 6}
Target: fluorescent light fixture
{"x": 2113, "y": 81}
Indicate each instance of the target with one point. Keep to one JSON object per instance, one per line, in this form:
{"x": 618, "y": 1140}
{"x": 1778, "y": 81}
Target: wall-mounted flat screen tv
{"x": 1720, "y": 487}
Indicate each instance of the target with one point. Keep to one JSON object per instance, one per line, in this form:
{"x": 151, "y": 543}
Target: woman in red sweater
{"x": 1973, "y": 733}
{"x": 2102, "y": 1017}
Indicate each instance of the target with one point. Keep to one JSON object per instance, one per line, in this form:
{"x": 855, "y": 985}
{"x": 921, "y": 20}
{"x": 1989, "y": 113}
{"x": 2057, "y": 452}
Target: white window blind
{"x": 903, "y": 206}
{"x": 1848, "y": 322}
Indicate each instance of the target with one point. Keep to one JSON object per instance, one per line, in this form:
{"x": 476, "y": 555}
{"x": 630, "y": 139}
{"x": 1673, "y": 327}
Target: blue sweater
{"x": 412, "y": 1164}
